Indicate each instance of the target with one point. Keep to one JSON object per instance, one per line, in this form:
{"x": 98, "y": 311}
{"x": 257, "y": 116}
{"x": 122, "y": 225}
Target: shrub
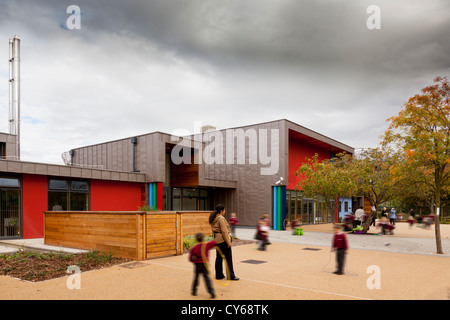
{"x": 190, "y": 241}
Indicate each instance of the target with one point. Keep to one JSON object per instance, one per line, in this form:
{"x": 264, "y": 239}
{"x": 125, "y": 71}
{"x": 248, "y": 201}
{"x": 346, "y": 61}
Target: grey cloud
{"x": 228, "y": 63}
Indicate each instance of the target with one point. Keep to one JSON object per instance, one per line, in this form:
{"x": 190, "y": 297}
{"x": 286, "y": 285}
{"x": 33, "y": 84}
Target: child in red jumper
{"x": 341, "y": 246}
{"x": 197, "y": 255}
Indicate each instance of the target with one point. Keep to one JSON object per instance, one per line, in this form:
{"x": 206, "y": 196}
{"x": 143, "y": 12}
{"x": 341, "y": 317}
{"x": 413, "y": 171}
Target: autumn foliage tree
{"x": 366, "y": 174}
{"x": 328, "y": 178}
{"x": 422, "y": 132}
{"x": 373, "y": 169}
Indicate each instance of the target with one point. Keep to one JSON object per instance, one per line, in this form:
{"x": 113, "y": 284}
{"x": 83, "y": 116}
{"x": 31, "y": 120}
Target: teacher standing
{"x": 221, "y": 231}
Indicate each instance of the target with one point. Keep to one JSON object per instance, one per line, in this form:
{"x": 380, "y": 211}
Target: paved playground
{"x": 292, "y": 268}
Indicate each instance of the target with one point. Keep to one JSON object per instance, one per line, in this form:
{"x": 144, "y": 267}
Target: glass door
{"x": 10, "y": 213}
{"x": 309, "y": 211}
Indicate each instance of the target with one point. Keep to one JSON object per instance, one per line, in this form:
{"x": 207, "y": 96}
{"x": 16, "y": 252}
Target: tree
{"x": 422, "y": 131}
{"x": 375, "y": 180}
{"x": 328, "y": 178}
{"x": 413, "y": 184}
{"x": 367, "y": 174}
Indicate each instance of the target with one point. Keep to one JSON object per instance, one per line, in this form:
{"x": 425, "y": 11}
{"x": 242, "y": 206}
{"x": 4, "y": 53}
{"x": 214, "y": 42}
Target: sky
{"x": 139, "y": 66}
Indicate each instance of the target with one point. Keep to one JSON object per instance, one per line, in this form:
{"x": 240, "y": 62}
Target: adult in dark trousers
{"x": 392, "y": 216}
{"x": 221, "y": 231}
{"x": 374, "y": 215}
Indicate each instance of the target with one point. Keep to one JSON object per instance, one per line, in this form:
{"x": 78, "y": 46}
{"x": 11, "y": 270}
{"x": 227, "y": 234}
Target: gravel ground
{"x": 292, "y": 268}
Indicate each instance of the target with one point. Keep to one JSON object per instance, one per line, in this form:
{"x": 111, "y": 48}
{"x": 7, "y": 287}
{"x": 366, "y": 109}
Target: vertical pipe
{"x": 17, "y": 90}
{"x": 134, "y": 142}
{"x": 150, "y": 195}
{"x": 155, "y": 196}
{"x": 280, "y": 212}
{"x": 72, "y": 154}
{"x": 14, "y": 90}
{"x": 283, "y": 207}
{"x": 275, "y": 208}
{"x": 11, "y": 79}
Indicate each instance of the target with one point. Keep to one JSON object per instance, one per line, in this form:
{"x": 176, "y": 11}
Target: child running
{"x": 198, "y": 255}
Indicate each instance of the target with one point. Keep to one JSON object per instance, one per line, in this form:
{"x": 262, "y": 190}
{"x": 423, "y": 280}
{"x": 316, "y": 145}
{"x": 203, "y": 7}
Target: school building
{"x": 250, "y": 169}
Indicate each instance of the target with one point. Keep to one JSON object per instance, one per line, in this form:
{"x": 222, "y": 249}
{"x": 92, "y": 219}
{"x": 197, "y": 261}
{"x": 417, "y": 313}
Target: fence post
{"x": 141, "y": 232}
{"x": 179, "y": 237}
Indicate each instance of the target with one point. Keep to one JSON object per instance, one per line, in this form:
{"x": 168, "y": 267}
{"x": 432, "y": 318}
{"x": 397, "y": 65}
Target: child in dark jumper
{"x": 339, "y": 245}
{"x": 198, "y": 255}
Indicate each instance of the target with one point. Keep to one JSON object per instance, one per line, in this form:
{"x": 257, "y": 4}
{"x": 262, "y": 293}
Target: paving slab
{"x": 13, "y": 245}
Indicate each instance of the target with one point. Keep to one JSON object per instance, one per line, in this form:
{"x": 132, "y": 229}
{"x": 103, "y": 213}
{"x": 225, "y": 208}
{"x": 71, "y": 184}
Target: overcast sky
{"x": 136, "y": 67}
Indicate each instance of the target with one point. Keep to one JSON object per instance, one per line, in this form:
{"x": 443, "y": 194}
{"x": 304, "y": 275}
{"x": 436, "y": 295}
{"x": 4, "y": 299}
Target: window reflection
{"x": 63, "y": 198}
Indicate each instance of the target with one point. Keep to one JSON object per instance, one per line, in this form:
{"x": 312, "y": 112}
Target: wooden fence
{"x": 136, "y": 235}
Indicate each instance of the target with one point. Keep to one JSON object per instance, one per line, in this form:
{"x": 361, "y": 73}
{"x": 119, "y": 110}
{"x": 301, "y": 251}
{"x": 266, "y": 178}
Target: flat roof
{"x": 290, "y": 125}
{"x": 17, "y": 166}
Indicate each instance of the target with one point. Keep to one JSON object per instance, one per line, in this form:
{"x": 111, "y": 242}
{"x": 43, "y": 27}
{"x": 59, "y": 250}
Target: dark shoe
{"x": 234, "y": 278}
{"x": 220, "y": 278}
{"x": 212, "y": 295}
{"x": 194, "y": 293}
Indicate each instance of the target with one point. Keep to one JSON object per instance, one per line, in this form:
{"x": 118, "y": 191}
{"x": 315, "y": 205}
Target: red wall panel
{"x": 34, "y": 202}
{"x": 298, "y": 152}
{"x": 159, "y": 192}
{"x": 115, "y": 195}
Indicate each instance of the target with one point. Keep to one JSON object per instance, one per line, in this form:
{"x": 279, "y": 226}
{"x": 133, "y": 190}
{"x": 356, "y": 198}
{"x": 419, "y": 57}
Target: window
{"x": 2, "y": 150}
{"x": 10, "y": 207}
{"x": 79, "y": 186}
{"x": 58, "y": 184}
{"x": 9, "y": 182}
{"x": 66, "y": 195}
{"x": 185, "y": 199}
{"x": 203, "y": 200}
{"x": 176, "y": 199}
{"x": 190, "y": 198}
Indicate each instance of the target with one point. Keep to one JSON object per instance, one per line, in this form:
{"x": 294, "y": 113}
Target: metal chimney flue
{"x": 14, "y": 91}
{"x": 134, "y": 141}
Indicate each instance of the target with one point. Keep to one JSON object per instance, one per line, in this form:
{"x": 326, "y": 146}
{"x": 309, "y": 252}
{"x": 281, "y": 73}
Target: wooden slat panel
{"x": 161, "y": 235}
{"x": 135, "y": 235}
{"x": 194, "y": 222}
{"x": 107, "y": 231}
